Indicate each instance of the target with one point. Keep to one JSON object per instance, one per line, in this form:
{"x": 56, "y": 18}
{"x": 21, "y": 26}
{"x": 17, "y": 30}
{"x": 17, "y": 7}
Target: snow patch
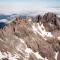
{"x": 41, "y": 30}
{"x": 3, "y": 55}
{"x": 28, "y": 50}
{"x": 34, "y": 28}
{"x": 38, "y": 55}
{"x": 8, "y": 55}
{"x": 58, "y": 38}
{"x": 22, "y": 40}
{"x": 56, "y": 54}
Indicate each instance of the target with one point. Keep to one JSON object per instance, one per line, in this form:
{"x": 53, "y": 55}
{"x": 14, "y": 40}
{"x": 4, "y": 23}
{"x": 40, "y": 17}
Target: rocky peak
{"x": 49, "y": 16}
{"x": 50, "y": 21}
{"x": 29, "y": 40}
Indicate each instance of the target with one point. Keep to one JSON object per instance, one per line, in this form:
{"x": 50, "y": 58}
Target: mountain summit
{"x": 31, "y": 39}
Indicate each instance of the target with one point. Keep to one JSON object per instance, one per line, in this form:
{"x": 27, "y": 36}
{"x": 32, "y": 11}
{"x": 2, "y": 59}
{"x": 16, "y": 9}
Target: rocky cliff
{"x": 30, "y": 39}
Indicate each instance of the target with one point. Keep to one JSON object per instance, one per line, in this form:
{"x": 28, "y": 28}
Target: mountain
{"x": 31, "y": 39}
{"x": 2, "y": 25}
{"x": 9, "y": 17}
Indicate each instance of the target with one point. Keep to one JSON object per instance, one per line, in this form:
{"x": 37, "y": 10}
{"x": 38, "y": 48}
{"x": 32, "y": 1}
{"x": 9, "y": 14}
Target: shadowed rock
{"x": 38, "y": 18}
{"x": 50, "y": 20}
{"x": 5, "y": 59}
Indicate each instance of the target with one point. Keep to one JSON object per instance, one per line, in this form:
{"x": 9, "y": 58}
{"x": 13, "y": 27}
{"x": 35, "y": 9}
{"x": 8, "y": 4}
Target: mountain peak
{"x": 26, "y": 39}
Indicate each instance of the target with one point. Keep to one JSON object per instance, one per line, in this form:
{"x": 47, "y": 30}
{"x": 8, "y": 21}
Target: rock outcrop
{"x": 28, "y": 40}
{"x": 51, "y": 21}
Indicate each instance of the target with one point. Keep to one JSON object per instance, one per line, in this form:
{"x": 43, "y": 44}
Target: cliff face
{"x": 28, "y": 40}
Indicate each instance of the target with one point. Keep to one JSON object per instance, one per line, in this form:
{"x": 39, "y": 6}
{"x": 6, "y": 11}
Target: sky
{"x": 29, "y": 5}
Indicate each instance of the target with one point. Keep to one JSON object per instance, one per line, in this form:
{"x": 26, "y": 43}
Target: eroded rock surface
{"x": 28, "y": 40}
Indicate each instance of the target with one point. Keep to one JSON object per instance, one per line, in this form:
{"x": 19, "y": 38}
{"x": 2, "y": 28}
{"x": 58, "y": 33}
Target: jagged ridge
{"x": 28, "y": 38}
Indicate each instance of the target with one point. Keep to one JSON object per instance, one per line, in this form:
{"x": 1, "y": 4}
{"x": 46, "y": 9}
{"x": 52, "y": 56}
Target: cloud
{"x": 3, "y": 20}
{"x": 24, "y": 9}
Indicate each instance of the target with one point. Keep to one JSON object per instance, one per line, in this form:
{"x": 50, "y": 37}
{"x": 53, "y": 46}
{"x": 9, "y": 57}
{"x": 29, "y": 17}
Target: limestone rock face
{"x": 49, "y": 16}
{"x": 51, "y": 21}
{"x": 28, "y": 40}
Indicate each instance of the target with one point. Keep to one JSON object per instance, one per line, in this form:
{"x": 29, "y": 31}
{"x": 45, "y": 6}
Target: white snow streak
{"x": 56, "y": 54}
{"x": 58, "y": 38}
{"x": 36, "y": 54}
{"x": 7, "y": 55}
{"x": 41, "y": 30}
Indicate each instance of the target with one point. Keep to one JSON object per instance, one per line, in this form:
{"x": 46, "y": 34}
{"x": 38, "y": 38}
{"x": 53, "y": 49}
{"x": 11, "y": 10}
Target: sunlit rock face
{"x": 28, "y": 40}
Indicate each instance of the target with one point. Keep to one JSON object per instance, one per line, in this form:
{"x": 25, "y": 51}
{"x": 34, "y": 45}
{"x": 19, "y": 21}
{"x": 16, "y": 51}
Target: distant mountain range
{"x": 7, "y": 18}
{"x": 2, "y": 24}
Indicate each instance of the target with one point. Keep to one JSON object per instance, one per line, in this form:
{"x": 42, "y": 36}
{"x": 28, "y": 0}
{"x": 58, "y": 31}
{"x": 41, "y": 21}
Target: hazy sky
{"x": 18, "y": 5}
